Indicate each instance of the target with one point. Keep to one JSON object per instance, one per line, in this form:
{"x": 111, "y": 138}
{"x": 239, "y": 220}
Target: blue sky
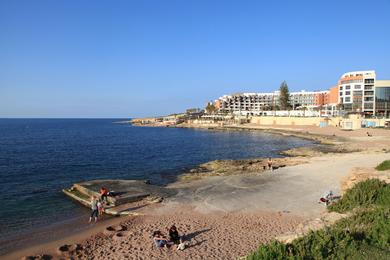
{"x": 137, "y": 58}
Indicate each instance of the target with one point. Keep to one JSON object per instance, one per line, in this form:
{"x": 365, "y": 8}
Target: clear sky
{"x": 149, "y": 57}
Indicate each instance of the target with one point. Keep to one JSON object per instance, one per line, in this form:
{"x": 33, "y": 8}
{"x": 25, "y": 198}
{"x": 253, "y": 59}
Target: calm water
{"x": 39, "y": 157}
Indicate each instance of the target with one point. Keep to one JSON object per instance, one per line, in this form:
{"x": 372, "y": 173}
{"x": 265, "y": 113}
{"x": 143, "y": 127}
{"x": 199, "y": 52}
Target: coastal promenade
{"x": 261, "y": 206}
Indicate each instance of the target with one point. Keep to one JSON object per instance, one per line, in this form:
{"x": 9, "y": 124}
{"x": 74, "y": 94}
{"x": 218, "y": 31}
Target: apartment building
{"x": 252, "y": 102}
{"x": 258, "y": 102}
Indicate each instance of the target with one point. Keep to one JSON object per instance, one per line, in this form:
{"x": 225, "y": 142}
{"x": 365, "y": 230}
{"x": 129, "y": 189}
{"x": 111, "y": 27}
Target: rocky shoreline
{"x": 235, "y": 167}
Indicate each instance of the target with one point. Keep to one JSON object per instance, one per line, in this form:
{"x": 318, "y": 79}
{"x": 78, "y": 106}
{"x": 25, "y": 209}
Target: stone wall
{"x": 291, "y": 121}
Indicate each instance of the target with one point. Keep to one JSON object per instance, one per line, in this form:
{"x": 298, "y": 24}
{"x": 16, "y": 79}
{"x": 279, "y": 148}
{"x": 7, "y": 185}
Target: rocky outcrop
{"x": 319, "y": 150}
{"x": 234, "y": 167}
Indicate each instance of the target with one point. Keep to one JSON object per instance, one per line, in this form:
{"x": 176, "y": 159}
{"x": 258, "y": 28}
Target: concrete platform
{"x": 125, "y": 194}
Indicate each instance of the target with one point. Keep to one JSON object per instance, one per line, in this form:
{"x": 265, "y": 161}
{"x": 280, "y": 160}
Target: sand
{"x": 225, "y": 217}
{"x": 215, "y": 236}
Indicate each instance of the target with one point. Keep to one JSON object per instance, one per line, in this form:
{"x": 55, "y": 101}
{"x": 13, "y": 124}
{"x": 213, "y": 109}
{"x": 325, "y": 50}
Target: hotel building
{"x": 357, "y": 91}
{"x": 360, "y": 91}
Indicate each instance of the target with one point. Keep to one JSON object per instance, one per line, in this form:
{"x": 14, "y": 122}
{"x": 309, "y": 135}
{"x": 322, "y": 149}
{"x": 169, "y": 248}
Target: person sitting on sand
{"x": 159, "y": 239}
{"x": 174, "y": 235}
{"x": 94, "y": 209}
{"x": 327, "y": 198}
{"x": 269, "y": 162}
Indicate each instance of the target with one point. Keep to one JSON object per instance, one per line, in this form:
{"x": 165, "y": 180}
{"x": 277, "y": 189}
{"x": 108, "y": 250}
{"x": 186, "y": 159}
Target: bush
{"x": 385, "y": 165}
{"x": 364, "y": 193}
{"x": 364, "y": 235}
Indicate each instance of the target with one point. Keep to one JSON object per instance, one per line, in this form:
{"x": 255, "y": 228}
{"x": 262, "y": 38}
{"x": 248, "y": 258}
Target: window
{"x": 347, "y": 99}
{"x": 347, "y": 93}
{"x": 347, "y": 87}
{"x": 369, "y": 106}
{"x": 368, "y": 81}
{"x": 341, "y": 88}
{"x": 358, "y": 86}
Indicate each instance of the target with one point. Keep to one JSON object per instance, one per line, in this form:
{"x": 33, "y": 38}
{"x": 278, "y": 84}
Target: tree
{"x": 284, "y": 98}
{"x": 210, "y": 108}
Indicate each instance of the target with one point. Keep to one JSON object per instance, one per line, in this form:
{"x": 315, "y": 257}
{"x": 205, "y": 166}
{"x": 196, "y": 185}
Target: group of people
{"x": 97, "y": 204}
{"x": 160, "y": 240}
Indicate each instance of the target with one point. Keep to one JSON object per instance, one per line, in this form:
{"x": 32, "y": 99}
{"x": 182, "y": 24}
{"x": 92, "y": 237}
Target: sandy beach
{"x": 226, "y": 217}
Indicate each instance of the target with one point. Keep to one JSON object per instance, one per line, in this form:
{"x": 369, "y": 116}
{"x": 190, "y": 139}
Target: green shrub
{"x": 385, "y": 165}
{"x": 364, "y": 235}
{"x": 274, "y": 250}
{"x": 384, "y": 196}
{"x": 364, "y": 193}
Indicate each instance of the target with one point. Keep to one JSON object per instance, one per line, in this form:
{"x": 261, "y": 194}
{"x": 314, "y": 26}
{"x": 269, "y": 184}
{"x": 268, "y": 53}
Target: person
{"x": 174, "y": 235}
{"x": 94, "y": 209}
{"x": 327, "y": 197}
{"x": 100, "y": 207}
{"x": 159, "y": 239}
{"x": 104, "y": 194}
{"x": 269, "y": 162}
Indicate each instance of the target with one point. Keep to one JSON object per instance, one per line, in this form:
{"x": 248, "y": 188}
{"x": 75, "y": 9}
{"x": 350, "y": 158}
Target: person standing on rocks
{"x": 269, "y": 162}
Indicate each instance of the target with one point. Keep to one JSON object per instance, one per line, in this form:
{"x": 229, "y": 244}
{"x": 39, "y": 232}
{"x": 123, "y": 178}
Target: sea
{"x": 40, "y": 157}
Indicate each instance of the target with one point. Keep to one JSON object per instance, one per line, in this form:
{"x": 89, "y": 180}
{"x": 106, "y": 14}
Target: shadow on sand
{"x": 193, "y": 235}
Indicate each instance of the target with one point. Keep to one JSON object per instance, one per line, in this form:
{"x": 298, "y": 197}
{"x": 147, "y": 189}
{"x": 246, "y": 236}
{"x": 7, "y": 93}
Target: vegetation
{"x": 210, "y": 108}
{"x": 363, "y": 194}
{"x": 364, "y": 235}
{"x": 284, "y": 98}
{"x": 385, "y": 165}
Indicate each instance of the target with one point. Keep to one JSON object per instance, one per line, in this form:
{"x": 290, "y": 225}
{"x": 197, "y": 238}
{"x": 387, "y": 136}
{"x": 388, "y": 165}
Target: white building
{"x": 357, "y": 91}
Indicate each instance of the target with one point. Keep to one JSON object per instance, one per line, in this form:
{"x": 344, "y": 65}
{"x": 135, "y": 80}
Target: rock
{"x": 231, "y": 167}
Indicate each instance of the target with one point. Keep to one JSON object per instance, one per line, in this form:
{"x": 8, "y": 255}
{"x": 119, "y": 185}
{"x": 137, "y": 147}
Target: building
{"x": 249, "y": 102}
{"x": 256, "y": 103}
{"x": 308, "y": 99}
{"x": 333, "y": 95}
{"x": 360, "y": 91}
{"x": 357, "y": 91}
{"x": 382, "y": 98}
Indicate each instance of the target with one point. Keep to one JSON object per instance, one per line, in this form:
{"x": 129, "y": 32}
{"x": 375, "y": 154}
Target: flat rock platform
{"x": 126, "y": 195}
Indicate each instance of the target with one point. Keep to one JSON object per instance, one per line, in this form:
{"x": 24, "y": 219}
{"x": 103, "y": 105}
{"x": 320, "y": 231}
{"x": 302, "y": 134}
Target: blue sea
{"x": 40, "y": 157}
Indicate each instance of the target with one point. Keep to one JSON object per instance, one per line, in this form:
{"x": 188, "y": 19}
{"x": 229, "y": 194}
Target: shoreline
{"x": 82, "y": 236}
